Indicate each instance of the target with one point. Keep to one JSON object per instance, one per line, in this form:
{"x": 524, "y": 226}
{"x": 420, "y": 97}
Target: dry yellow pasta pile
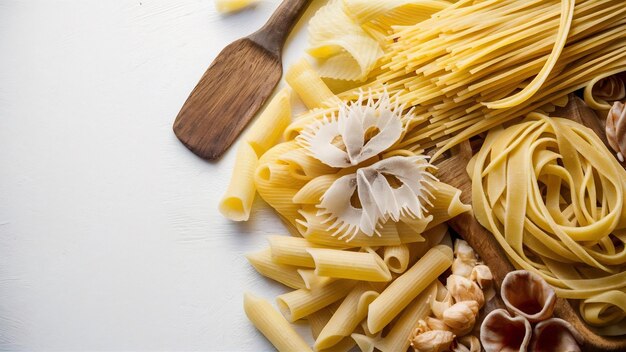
{"x": 350, "y": 291}
{"x": 361, "y": 286}
{"x": 552, "y": 195}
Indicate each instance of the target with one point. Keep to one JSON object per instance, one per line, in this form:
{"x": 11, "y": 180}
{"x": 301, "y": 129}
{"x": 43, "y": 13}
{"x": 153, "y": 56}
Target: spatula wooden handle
{"x": 273, "y": 34}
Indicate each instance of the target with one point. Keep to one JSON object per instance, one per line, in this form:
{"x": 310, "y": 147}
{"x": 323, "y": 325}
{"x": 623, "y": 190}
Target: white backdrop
{"x": 110, "y": 238}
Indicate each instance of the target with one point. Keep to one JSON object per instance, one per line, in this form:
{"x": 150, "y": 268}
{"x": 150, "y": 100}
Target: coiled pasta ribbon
{"x": 552, "y": 195}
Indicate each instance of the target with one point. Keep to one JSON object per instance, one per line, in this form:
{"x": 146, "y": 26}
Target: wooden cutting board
{"x": 452, "y": 171}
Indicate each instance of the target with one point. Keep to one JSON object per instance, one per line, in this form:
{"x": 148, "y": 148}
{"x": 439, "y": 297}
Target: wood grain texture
{"x": 452, "y": 171}
{"x": 235, "y": 86}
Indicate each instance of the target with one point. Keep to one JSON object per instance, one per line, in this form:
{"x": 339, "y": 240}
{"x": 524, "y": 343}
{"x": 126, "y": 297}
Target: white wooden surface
{"x": 110, "y": 238}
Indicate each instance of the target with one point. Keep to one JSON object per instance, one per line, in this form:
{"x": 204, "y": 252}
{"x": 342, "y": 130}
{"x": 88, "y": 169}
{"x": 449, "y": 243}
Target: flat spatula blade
{"x": 228, "y": 95}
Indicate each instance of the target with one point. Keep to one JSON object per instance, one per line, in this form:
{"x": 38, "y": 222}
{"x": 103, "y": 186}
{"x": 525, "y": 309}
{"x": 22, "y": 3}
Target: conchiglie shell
{"x": 502, "y": 332}
{"x": 527, "y": 294}
{"x": 555, "y": 335}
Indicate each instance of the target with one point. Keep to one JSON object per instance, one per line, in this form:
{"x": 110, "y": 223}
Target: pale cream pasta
{"x": 397, "y": 339}
{"x": 313, "y": 281}
{"x": 347, "y": 317}
{"x": 228, "y": 6}
{"x": 285, "y": 274}
{"x": 397, "y": 257}
{"x": 408, "y": 286}
{"x": 269, "y": 126}
{"x": 273, "y": 325}
{"x": 291, "y": 251}
{"x": 299, "y": 303}
{"x": 309, "y": 86}
{"x": 365, "y": 266}
{"x": 236, "y": 204}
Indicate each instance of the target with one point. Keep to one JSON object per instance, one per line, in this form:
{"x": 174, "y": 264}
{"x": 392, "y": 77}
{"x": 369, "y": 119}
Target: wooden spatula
{"x": 235, "y": 86}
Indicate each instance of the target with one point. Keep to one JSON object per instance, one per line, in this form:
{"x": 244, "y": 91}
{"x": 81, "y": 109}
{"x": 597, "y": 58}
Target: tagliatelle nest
{"x": 361, "y": 130}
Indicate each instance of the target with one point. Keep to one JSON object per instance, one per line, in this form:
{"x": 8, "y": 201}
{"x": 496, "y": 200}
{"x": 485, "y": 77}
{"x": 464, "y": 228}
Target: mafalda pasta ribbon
{"x": 552, "y": 194}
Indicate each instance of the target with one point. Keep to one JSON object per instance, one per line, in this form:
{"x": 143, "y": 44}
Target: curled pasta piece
{"x": 349, "y": 52}
{"x": 567, "y": 14}
{"x": 605, "y": 89}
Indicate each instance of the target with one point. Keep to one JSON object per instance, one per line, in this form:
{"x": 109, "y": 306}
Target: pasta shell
{"x": 528, "y": 295}
{"x": 610, "y": 88}
{"x": 616, "y": 129}
{"x": 555, "y": 334}
{"x": 502, "y": 332}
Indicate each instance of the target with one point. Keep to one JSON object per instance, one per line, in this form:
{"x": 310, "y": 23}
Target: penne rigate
{"x": 409, "y": 285}
{"x": 273, "y": 325}
{"x": 365, "y": 266}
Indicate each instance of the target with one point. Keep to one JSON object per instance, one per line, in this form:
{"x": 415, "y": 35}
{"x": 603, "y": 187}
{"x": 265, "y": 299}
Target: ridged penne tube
{"x": 317, "y": 320}
{"x": 446, "y": 204}
{"x": 285, "y": 274}
{"x": 291, "y": 250}
{"x": 228, "y": 6}
{"x": 311, "y": 280}
{"x": 299, "y": 303}
{"x": 365, "y": 342}
{"x": 397, "y": 338}
{"x": 303, "y": 120}
{"x": 270, "y": 125}
{"x": 273, "y": 325}
{"x": 352, "y": 310}
{"x": 309, "y": 86}
{"x": 263, "y": 134}
{"x": 397, "y": 257}
{"x": 345, "y": 345}
{"x": 268, "y": 180}
{"x": 365, "y": 266}
{"x": 304, "y": 166}
{"x": 408, "y": 286}
{"x": 433, "y": 237}
{"x": 237, "y": 201}
{"x": 312, "y": 192}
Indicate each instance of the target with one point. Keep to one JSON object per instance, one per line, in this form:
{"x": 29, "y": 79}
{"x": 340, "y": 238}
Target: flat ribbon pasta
{"x": 553, "y": 196}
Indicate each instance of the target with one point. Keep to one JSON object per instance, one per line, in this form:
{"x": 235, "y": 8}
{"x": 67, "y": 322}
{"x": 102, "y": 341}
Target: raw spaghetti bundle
{"x": 477, "y": 64}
